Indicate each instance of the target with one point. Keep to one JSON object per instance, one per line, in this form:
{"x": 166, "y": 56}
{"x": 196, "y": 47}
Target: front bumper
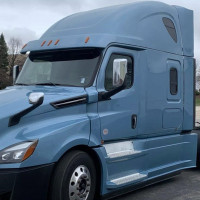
{"x": 25, "y": 184}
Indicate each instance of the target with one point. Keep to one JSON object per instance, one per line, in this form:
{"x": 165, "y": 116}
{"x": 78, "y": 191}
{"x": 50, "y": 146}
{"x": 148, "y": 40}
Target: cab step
{"x": 132, "y": 178}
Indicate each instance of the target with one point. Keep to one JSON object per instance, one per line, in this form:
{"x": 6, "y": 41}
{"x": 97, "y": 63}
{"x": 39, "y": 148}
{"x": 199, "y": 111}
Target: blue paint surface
{"x": 134, "y": 30}
{"x": 139, "y": 24}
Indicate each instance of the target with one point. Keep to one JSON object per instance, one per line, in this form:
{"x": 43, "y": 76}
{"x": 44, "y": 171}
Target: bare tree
{"x": 14, "y": 46}
{"x": 198, "y": 71}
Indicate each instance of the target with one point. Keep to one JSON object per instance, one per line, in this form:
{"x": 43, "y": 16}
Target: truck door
{"x": 119, "y": 114}
{"x": 173, "y": 114}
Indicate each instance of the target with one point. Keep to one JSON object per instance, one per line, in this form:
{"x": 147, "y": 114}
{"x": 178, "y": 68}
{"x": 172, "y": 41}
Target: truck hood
{"x": 15, "y": 99}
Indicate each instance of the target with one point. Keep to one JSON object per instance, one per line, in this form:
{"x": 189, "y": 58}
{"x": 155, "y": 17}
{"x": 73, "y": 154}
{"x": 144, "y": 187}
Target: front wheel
{"x": 74, "y": 178}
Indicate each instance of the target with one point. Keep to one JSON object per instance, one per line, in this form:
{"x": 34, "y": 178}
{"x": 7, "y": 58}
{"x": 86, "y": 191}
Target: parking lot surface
{"x": 185, "y": 186}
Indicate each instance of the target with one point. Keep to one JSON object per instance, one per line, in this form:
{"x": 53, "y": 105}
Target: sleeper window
{"x": 169, "y": 25}
{"x": 109, "y": 71}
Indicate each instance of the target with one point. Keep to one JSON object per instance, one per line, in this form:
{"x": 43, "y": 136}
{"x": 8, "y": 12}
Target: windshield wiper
{"x": 48, "y": 83}
{"x": 21, "y": 84}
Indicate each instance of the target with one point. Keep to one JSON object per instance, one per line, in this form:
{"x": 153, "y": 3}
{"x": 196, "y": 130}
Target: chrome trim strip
{"x": 129, "y": 178}
{"x": 71, "y": 102}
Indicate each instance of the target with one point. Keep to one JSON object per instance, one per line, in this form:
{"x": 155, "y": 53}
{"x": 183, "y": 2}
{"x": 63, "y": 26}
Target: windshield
{"x": 69, "y": 68}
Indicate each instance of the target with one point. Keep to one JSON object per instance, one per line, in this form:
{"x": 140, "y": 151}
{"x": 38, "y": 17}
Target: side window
{"x": 169, "y": 25}
{"x": 173, "y": 81}
{"x": 109, "y": 71}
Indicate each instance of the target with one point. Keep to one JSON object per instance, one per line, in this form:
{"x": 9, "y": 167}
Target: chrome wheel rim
{"x": 80, "y": 184}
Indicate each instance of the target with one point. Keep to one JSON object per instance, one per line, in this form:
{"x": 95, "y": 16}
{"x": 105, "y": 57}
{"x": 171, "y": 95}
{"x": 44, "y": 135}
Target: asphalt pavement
{"x": 185, "y": 186}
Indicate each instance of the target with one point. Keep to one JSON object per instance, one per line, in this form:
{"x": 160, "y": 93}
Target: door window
{"x": 109, "y": 71}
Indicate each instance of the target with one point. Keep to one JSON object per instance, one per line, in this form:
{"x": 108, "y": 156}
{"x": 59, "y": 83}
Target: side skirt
{"x": 132, "y": 188}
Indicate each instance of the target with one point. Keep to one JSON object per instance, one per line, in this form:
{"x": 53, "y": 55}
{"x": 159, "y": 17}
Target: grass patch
{"x": 198, "y": 100}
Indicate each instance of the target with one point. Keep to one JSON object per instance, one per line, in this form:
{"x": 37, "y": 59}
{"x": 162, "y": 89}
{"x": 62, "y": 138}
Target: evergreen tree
{"x": 3, "y": 53}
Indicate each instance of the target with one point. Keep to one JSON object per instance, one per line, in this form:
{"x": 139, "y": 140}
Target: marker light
{"x": 56, "y": 42}
{"x": 17, "y": 153}
{"x": 50, "y": 42}
{"x": 24, "y": 46}
{"x": 87, "y": 39}
{"x": 43, "y": 43}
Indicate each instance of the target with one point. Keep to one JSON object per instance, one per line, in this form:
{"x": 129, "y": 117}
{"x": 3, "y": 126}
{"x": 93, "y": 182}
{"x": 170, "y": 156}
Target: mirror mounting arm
{"x": 106, "y": 95}
{"x": 15, "y": 119}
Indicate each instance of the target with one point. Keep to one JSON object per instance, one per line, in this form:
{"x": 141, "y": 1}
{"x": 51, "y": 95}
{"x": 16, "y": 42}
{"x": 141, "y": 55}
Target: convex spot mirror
{"x": 119, "y": 71}
{"x": 36, "y": 98}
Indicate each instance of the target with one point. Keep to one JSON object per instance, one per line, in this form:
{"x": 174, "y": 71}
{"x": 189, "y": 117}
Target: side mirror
{"x": 15, "y": 73}
{"x": 36, "y": 98}
{"x": 119, "y": 71}
{"x": 120, "y": 78}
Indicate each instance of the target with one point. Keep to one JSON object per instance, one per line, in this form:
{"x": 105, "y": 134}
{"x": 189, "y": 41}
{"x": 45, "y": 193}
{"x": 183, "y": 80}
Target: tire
{"x": 74, "y": 178}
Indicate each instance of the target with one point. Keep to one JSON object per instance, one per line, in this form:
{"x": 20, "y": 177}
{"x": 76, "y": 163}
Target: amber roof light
{"x": 43, "y": 43}
{"x": 87, "y": 39}
{"x": 24, "y": 46}
{"x": 56, "y": 42}
{"x": 50, "y": 42}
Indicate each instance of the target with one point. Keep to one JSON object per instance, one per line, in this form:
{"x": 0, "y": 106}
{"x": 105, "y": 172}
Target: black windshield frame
{"x": 84, "y": 53}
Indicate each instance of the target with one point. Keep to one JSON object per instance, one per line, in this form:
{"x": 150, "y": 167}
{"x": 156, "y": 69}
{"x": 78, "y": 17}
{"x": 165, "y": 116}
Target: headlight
{"x": 17, "y": 153}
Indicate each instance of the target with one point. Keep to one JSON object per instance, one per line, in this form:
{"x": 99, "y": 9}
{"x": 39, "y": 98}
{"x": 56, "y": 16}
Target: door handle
{"x": 134, "y": 121}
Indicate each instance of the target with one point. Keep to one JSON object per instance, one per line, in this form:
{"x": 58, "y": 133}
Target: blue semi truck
{"x": 103, "y": 105}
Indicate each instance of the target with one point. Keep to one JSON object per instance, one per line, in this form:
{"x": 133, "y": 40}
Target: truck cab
{"x": 104, "y": 104}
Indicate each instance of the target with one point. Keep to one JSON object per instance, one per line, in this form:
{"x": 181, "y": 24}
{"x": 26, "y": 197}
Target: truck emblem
{"x": 105, "y": 131}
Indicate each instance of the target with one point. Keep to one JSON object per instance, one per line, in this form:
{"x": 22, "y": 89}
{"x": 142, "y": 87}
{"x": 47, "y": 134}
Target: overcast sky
{"x": 28, "y": 19}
